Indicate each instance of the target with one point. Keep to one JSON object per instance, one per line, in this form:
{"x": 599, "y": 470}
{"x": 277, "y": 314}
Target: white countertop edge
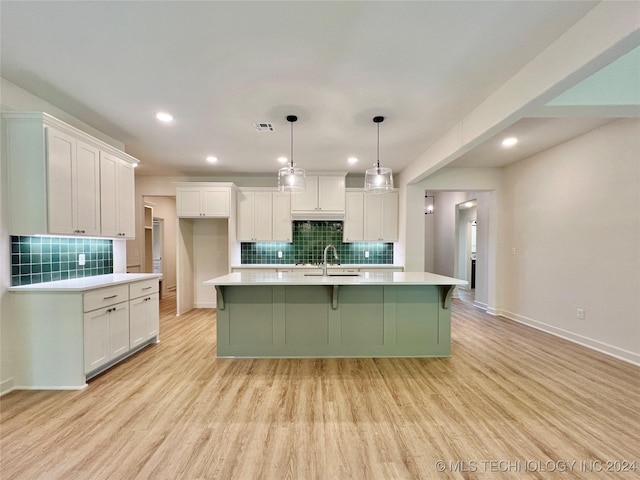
{"x": 298, "y": 278}
{"x": 85, "y": 283}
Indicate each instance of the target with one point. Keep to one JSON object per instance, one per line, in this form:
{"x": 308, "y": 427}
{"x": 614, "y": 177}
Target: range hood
{"x": 317, "y": 215}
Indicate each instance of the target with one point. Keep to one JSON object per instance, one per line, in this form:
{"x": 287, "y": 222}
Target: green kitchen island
{"x": 370, "y": 314}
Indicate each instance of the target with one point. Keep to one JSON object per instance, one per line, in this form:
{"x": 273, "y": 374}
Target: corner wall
{"x": 572, "y": 214}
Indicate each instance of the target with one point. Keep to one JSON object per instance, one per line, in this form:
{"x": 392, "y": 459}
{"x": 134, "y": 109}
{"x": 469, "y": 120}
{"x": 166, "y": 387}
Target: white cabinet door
{"x": 87, "y": 185}
{"x": 282, "y": 226}
{"x": 118, "y": 330}
{"x": 137, "y": 323}
{"x": 307, "y": 200}
{"x": 324, "y": 194}
{"x": 263, "y": 218}
{"x": 96, "y": 339}
{"x": 108, "y": 195}
{"x": 381, "y": 217}
{"x": 331, "y": 193}
{"x": 152, "y": 315}
{"x": 126, "y": 200}
{"x": 353, "y": 217}
{"x": 372, "y": 215}
{"x": 116, "y": 197}
{"x": 61, "y": 149}
{"x": 188, "y": 202}
{"x": 215, "y": 202}
{"x": 144, "y": 319}
{"x": 245, "y": 214}
{"x": 389, "y": 221}
{"x": 255, "y": 215}
{"x": 199, "y": 201}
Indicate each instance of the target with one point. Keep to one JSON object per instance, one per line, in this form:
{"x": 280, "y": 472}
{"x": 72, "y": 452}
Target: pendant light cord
{"x": 378, "y": 164}
{"x": 291, "y": 162}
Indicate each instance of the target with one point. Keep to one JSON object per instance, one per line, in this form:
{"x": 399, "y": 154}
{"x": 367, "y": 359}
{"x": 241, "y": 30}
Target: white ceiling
{"x": 220, "y": 66}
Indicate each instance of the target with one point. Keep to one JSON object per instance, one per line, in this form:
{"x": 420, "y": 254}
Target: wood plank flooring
{"x": 173, "y": 411}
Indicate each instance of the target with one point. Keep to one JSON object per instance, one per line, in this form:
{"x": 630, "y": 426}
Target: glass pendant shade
{"x": 378, "y": 180}
{"x": 291, "y": 179}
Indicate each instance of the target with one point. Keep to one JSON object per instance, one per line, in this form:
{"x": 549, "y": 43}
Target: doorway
{"x": 158, "y": 245}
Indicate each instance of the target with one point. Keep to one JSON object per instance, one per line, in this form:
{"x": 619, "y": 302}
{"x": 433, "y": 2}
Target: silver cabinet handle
{"x": 108, "y": 298}
{"x": 146, "y": 288}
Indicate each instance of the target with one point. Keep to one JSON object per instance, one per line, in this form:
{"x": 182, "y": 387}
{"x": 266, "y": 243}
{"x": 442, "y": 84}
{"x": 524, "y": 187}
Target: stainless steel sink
{"x": 332, "y": 275}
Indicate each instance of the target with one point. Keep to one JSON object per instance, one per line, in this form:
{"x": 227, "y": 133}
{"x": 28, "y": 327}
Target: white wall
{"x": 211, "y": 258}
{"x": 445, "y": 245}
{"x": 573, "y": 215}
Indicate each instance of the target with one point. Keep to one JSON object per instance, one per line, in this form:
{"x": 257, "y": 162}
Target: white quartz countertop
{"x": 364, "y": 278}
{"x": 85, "y": 283}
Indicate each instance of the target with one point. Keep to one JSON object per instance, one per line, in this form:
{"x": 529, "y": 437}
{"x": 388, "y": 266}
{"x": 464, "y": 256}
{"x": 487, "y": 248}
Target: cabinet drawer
{"x": 105, "y": 296}
{"x": 146, "y": 287}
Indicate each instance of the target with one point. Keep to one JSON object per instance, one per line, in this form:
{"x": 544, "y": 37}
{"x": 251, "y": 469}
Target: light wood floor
{"x": 508, "y": 393}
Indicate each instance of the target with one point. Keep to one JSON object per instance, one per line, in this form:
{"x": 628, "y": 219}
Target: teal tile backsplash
{"x": 309, "y": 240}
{"x": 45, "y": 259}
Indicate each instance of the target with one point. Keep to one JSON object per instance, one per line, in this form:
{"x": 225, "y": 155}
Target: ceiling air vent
{"x": 263, "y": 127}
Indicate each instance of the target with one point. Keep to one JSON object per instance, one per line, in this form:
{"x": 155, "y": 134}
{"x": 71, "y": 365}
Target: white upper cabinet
{"x": 73, "y": 172}
{"x": 212, "y": 200}
{"x": 354, "y": 217}
{"x": 381, "y": 217}
{"x": 324, "y": 198}
{"x": 88, "y": 189}
{"x": 116, "y": 197}
{"x": 263, "y": 216}
{"x": 255, "y": 216}
{"x": 282, "y": 225}
{"x": 56, "y": 181}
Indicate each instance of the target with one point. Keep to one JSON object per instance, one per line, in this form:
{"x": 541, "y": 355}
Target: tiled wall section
{"x": 44, "y": 259}
{"x": 309, "y": 240}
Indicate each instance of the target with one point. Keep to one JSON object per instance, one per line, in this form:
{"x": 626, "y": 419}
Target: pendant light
{"x": 291, "y": 178}
{"x": 378, "y": 179}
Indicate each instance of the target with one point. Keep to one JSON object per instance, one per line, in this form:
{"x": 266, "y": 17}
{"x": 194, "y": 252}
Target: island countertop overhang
{"x": 364, "y": 278}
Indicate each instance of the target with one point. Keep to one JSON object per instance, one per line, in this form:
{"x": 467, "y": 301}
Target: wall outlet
{"x": 279, "y": 254}
{"x": 514, "y": 251}
{"x": 366, "y": 254}
{"x": 580, "y": 314}
{"x": 81, "y": 259}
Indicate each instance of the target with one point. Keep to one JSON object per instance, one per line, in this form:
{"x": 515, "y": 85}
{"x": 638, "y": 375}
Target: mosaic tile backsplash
{"x": 45, "y": 259}
{"x": 309, "y": 240}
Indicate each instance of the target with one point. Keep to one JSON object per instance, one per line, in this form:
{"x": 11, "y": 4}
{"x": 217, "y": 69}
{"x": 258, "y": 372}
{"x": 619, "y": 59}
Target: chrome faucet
{"x": 324, "y": 257}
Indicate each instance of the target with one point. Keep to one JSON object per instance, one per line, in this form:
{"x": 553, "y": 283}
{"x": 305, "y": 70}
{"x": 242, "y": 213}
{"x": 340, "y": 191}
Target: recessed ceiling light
{"x": 212, "y": 159}
{"x": 164, "y": 117}
{"x": 352, "y": 160}
{"x": 509, "y": 142}
{"x": 283, "y": 159}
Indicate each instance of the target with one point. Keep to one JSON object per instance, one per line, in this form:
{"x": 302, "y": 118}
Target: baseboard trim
{"x": 6, "y": 386}
{"x": 612, "y": 351}
{"x": 481, "y": 305}
{"x": 205, "y": 305}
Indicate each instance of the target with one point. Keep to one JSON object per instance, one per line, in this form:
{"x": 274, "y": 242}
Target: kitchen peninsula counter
{"x": 370, "y": 314}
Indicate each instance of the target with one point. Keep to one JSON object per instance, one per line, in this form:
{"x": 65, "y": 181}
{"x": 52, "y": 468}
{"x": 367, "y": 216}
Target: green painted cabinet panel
{"x": 307, "y": 315}
{"x": 251, "y": 311}
{"x": 362, "y": 315}
{"x": 303, "y": 321}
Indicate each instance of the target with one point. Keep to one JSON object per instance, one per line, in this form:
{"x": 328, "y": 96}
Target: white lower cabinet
{"x": 106, "y": 335}
{"x": 144, "y": 319}
{"x": 128, "y": 317}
